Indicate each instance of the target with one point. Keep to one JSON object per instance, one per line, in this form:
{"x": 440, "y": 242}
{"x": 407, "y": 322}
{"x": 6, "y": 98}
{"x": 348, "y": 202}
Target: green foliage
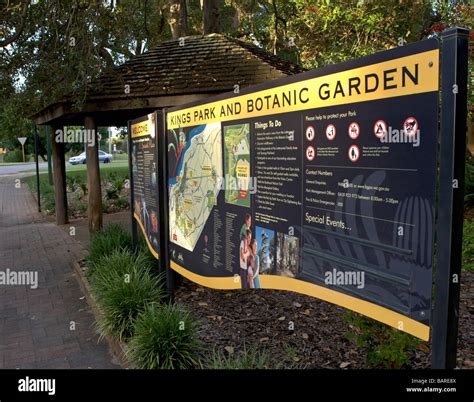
{"x": 103, "y": 243}
{"x": 15, "y": 155}
{"x": 76, "y": 179}
{"x": 385, "y": 346}
{"x": 458, "y": 13}
{"x": 469, "y": 185}
{"x": 468, "y": 245}
{"x": 112, "y": 192}
{"x": 117, "y": 261}
{"x": 164, "y": 338}
{"x": 122, "y": 202}
{"x": 47, "y": 192}
{"x": 123, "y": 289}
{"x": 328, "y": 32}
{"x": 251, "y": 358}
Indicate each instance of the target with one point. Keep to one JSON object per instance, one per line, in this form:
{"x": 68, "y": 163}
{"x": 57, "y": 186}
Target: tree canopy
{"x": 49, "y": 48}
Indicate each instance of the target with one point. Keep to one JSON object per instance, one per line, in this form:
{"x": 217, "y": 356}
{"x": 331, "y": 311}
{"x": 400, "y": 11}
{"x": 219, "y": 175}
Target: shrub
{"x": 122, "y": 202}
{"x": 248, "y": 359}
{"x": 111, "y": 193}
{"x": 123, "y": 294}
{"x": 142, "y": 247}
{"x": 468, "y": 245}
{"x": 385, "y": 346}
{"x": 165, "y": 338}
{"x": 103, "y": 243}
{"x": 118, "y": 262}
{"x": 469, "y": 185}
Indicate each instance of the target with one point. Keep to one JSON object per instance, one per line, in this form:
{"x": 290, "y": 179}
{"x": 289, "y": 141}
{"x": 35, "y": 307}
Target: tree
{"x": 77, "y": 40}
{"x": 212, "y": 16}
{"x": 178, "y": 18}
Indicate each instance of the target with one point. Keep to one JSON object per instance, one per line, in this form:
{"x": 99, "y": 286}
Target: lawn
{"x": 79, "y": 168}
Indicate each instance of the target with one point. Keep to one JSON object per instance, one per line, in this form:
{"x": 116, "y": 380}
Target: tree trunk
{"x": 178, "y": 18}
{"x": 275, "y": 27}
{"x": 59, "y": 177}
{"x": 93, "y": 179}
{"x": 211, "y": 16}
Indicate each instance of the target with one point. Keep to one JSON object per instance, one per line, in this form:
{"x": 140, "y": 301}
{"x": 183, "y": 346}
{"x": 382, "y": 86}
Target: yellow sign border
{"x": 379, "y": 313}
{"x": 152, "y": 250}
{"x": 428, "y": 81}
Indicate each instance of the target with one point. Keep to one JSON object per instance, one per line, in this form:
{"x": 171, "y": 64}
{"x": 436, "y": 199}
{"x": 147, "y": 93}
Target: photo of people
{"x": 154, "y": 221}
{"x": 151, "y": 125}
{"x": 287, "y": 255}
{"x": 265, "y": 249}
{"x": 244, "y": 254}
{"x": 246, "y": 226}
{"x": 253, "y": 270}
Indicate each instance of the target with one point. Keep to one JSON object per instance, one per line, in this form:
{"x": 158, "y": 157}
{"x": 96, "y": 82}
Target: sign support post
{"x": 454, "y": 55}
{"x": 163, "y": 202}
{"x": 130, "y": 181}
{"x": 22, "y": 142}
{"x": 48, "y": 131}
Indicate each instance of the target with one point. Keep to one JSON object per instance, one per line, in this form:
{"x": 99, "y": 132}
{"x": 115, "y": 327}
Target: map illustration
{"x": 194, "y": 190}
{"x": 237, "y": 164}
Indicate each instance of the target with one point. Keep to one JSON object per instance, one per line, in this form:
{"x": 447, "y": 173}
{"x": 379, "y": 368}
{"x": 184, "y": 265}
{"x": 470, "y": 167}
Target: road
{"x": 12, "y": 169}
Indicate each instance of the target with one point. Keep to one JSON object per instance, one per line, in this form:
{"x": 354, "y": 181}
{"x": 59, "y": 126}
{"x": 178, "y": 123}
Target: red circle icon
{"x": 410, "y": 126}
{"x": 380, "y": 129}
{"x": 330, "y": 132}
{"x": 310, "y": 133}
{"x": 353, "y": 130}
{"x": 353, "y": 153}
{"x": 310, "y": 153}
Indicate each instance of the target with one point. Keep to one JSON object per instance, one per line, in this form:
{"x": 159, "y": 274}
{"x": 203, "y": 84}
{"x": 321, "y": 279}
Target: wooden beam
{"x": 93, "y": 178}
{"x": 121, "y": 105}
{"x": 59, "y": 178}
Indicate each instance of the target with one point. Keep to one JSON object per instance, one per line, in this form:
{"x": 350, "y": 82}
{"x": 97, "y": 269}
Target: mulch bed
{"x": 230, "y": 321}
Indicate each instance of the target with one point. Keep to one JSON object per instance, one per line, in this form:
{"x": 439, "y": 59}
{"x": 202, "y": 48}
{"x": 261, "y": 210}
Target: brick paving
{"x": 35, "y": 324}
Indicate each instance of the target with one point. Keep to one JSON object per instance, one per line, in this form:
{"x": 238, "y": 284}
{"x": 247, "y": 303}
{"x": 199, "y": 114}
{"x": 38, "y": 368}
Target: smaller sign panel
{"x": 144, "y": 175}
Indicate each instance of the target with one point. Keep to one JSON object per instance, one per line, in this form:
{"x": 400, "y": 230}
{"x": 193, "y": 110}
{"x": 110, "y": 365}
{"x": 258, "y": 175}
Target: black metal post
{"x": 38, "y": 190}
{"x": 454, "y": 58}
{"x": 130, "y": 182}
{"x": 161, "y": 136}
{"x": 49, "y": 152}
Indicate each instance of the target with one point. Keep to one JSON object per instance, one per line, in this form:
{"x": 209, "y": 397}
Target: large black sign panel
{"x": 321, "y": 183}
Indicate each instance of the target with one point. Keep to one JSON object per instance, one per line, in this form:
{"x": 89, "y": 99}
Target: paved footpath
{"x": 35, "y": 324}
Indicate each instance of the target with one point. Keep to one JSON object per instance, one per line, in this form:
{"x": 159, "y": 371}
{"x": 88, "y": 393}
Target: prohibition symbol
{"x": 330, "y": 132}
{"x": 310, "y": 133}
{"x": 310, "y": 153}
{"x": 410, "y": 127}
{"x": 353, "y": 130}
{"x": 353, "y": 153}
{"x": 380, "y": 128}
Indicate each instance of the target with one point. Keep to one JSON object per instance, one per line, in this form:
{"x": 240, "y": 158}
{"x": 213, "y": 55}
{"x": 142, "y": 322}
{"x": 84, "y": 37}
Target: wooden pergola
{"x": 174, "y": 73}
